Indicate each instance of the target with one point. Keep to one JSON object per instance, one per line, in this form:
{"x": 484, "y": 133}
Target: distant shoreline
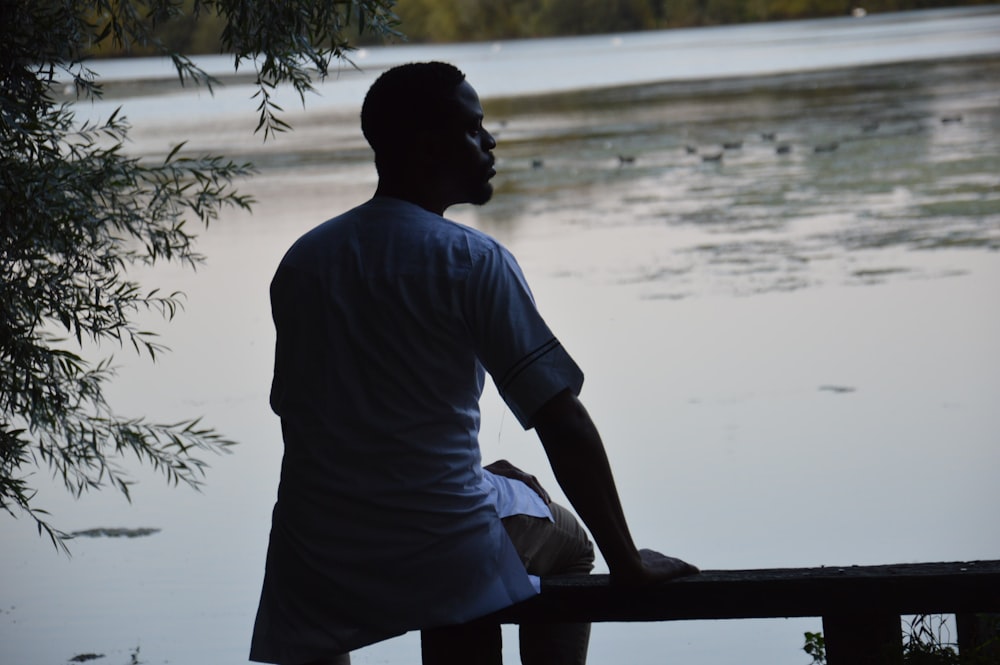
{"x": 754, "y": 82}
{"x": 555, "y": 66}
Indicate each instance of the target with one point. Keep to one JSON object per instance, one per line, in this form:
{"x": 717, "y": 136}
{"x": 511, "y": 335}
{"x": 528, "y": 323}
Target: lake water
{"x": 794, "y": 358}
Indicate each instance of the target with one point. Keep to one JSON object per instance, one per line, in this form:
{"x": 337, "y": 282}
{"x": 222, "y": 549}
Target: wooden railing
{"x": 860, "y": 606}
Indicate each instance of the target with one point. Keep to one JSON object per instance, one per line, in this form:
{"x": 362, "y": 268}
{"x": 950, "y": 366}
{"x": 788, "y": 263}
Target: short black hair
{"x": 404, "y": 100}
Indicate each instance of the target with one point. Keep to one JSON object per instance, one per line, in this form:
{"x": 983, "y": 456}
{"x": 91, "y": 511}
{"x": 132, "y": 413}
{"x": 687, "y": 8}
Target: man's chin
{"x": 478, "y": 196}
{"x": 483, "y": 196}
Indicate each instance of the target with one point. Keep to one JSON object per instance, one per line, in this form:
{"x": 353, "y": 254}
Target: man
{"x": 386, "y": 318}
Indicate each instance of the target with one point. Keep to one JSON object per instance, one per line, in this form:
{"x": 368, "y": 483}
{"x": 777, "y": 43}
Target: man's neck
{"x": 416, "y": 193}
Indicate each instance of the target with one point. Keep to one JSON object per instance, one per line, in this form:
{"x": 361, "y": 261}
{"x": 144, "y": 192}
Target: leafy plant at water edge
{"x": 815, "y": 646}
{"x": 77, "y": 212}
{"x": 926, "y": 641}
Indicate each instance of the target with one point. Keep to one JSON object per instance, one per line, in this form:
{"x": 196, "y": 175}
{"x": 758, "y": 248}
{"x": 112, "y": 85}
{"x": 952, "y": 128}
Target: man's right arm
{"x": 576, "y": 453}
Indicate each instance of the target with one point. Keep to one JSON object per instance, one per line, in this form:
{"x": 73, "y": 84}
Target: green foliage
{"x": 77, "y": 212}
{"x": 282, "y": 38}
{"x": 480, "y": 20}
{"x": 197, "y": 26}
{"x": 484, "y": 20}
{"x": 815, "y": 646}
{"x": 285, "y": 42}
{"x": 926, "y": 642}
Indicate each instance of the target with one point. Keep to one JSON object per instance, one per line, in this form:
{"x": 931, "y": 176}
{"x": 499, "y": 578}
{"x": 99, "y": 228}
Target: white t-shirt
{"x": 387, "y": 319}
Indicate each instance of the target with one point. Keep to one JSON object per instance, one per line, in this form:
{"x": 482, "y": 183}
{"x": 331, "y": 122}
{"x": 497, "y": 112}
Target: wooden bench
{"x": 860, "y": 606}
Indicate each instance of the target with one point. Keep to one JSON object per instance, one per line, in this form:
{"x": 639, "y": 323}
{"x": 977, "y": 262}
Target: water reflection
{"x": 879, "y": 157}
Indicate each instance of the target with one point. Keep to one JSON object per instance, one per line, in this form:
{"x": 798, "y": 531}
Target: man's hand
{"x": 652, "y": 568}
{"x": 580, "y": 464}
{"x": 504, "y": 468}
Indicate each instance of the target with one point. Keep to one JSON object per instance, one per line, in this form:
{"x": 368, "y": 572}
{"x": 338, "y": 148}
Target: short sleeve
{"x": 527, "y": 363}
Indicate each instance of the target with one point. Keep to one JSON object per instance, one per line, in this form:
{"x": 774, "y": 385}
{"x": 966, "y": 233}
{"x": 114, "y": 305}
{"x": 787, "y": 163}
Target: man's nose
{"x": 488, "y": 141}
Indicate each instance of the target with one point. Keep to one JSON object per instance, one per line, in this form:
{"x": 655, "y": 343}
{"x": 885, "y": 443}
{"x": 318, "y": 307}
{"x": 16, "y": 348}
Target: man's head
{"x": 424, "y": 122}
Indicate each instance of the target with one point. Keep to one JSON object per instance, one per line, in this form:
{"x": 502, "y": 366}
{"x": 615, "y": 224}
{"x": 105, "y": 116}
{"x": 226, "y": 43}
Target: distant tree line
{"x": 484, "y": 20}
{"x": 445, "y": 21}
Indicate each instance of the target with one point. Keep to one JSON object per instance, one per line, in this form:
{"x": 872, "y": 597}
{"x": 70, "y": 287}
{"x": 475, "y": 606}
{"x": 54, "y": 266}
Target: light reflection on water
{"x": 901, "y": 156}
{"x": 712, "y": 306}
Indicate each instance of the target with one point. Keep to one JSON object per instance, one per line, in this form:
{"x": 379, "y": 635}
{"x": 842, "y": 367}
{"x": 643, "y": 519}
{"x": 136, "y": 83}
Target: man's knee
{"x": 551, "y": 547}
{"x": 581, "y": 554}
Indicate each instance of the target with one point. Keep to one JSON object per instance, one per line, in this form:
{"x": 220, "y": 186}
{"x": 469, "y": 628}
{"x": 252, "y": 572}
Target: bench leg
{"x": 863, "y": 639}
{"x": 475, "y": 643}
{"x": 978, "y": 638}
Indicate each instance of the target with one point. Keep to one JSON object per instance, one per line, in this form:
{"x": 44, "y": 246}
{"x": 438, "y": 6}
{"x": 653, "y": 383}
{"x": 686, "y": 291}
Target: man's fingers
{"x": 666, "y": 567}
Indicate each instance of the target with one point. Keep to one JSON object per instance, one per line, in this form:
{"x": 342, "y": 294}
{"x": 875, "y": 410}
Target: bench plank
{"x": 898, "y": 589}
{"x": 860, "y": 605}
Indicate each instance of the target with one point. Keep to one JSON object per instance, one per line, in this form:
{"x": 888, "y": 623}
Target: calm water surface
{"x": 793, "y": 357}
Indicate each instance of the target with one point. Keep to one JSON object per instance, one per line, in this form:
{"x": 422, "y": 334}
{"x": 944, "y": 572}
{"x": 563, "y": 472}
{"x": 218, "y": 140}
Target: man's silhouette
{"x": 388, "y": 317}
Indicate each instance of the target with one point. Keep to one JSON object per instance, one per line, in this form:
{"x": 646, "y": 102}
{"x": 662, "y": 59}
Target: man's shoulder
{"x": 399, "y": 230}
{"x": 410, "y": 221}
{"x": 328, "y": 236}
{"x": 383, "y": 213}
